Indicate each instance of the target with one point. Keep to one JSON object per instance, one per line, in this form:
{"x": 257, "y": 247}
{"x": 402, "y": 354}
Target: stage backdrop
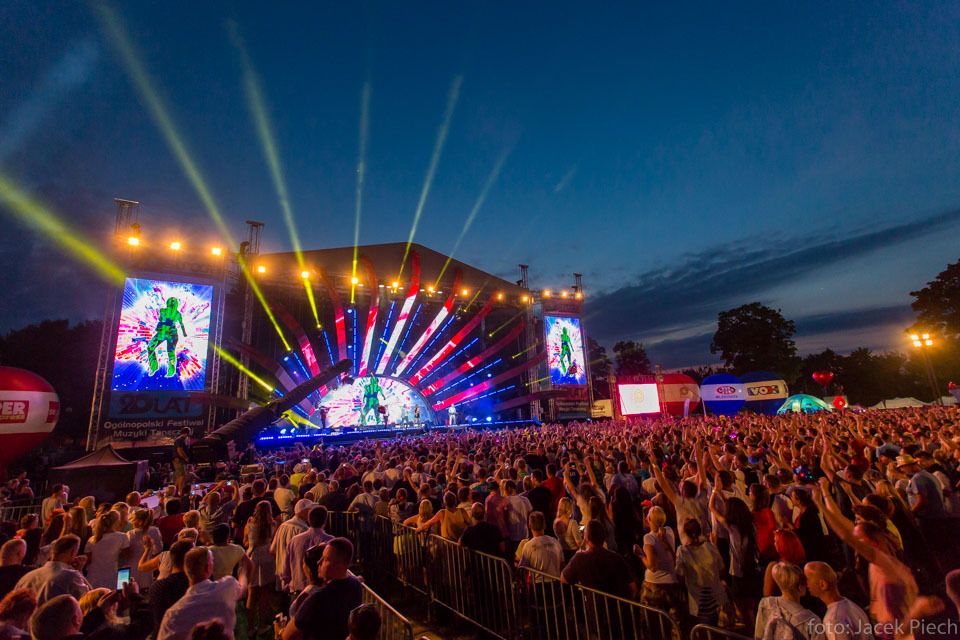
{"x": 161, "y": 350}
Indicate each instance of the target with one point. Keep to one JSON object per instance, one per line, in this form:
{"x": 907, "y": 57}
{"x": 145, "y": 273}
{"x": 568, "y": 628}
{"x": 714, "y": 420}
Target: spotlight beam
{"x": 261, "y": 120}
{"x": 161, "y": 117}
{"x": 361, "y": 170}
{"x": 491, "y": 180}
{"x": 236, "y": 363}
{"x": 452, "y": 96}
{"x": 33, "y": 213}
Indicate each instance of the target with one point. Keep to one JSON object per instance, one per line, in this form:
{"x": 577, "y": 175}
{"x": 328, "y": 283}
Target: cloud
{"x": 703, "y": 283}
{"x": 858, "y": 324}
{"x": 72, "y": 70}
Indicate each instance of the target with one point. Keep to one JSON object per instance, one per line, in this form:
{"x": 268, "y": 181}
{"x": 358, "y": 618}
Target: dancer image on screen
{"x": 166, "y": 331}
{"x": 566, "y": 351}
{"x": 372, "y": 392}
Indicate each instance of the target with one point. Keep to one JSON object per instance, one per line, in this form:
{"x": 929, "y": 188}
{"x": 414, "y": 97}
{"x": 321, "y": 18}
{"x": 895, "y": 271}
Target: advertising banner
{"x": 636, "y": 399}
{"x": 722, "y": 393}
{"x": 765, "y": 391}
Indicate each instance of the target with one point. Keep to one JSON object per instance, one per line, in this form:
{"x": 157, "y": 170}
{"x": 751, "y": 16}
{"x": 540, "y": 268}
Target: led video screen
{"x": 638, "y": 398}
{"x": 565, "y": 357}
{"x": 359, "y": 403}
{"x": 162, "y": 336}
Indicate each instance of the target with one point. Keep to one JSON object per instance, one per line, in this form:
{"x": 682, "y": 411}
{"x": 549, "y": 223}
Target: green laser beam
{"x": 498, "y": 329}
{"x": 31, "y": 212}
{"x": 517, "y": 355}
{"x": 261, "y": 120}
{"x": 452, "y": 96}
{"x": 229, "y": 358}
{"x": 161, "y": 117}
{"x": 363, "y": 136}
{"x": 159, "y": 112}
{"x": 491, "y": 180}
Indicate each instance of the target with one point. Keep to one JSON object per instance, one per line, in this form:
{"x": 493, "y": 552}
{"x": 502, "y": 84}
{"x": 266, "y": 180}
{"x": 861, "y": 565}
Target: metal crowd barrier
{"x": 346, "y": 524}
{"x": 15, "y": 512}
{"x": 567, "y": 611}
{"x": 393, "y": 625}
{"x": 707, "y": 632}
{"x": 475, "y": 586}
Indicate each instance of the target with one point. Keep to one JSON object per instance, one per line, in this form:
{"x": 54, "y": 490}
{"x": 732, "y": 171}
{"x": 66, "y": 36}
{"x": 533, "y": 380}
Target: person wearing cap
{"x": 285, "y": 533}
{"x": 925, "y": 496}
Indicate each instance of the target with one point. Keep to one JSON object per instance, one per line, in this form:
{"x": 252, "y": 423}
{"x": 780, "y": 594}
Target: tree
{"x": 938, "y": 304}
{"x": 753, "y": 337}
{"x": 631, "y": 359}
{"x": 599, "y": 369}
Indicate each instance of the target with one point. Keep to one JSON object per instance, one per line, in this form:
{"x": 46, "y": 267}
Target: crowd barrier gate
{"x": 708, "y": 632}
{"x": 393, "y": 625}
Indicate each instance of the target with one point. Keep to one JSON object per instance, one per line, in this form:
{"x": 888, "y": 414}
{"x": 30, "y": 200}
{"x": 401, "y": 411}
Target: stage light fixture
{"x": 175, "y": 246}
{"x": 917, "y": 343}
{"x": 579, "y": 295}
{"x": 261, "y": 269}
{"x": 546, "y": 293}
{"x": 396, "y": 284}
{"x": 430, "y": 289}
{"x": 133, "y": 241}
{"x": 925, "y": 336}
{"x": 563, "y": 294}
{"x": 354, "y": 280}
{"x": 216, "y": 251}
{"x": 304, "y": 274}
{"x": 464, "y": 292}
{"x": 499, "y": 296}
{"x": 915, "y": 337}
{"x": 525, "y": 298}
{"x": 928, "y": 342}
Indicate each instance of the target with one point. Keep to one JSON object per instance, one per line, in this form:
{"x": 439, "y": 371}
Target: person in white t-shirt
{"x": 285, "y": 497}
{"x": 541, "y": 553}
{"x": 844, "y": 620}
{"x": 204, "y": 600}
{"x": 106, "y": 550}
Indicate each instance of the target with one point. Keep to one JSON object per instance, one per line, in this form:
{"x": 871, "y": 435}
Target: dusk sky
{"x": 685, "y": 159}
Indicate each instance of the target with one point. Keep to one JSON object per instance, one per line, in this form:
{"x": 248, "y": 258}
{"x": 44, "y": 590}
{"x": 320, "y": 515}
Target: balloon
{"x": 677, "y": 390}
{"x": 723, "y": 393}
{"x": 839, "y": 402}
{"x": 952, "y": 386}
{"x": 29, "y": 408}
{"x": 822, "y": 378}
{"x": 765, "y": 391}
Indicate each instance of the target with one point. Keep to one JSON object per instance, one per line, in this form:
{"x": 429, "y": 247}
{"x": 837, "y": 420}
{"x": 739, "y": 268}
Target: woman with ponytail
{"x": 106, "y": 551}
{"x": 661, "y": 589}
{"x": 142, "y": 528}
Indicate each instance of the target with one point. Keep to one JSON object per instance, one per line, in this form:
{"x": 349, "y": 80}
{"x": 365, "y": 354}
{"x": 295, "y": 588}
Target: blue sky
{"x": 685, "y": 160}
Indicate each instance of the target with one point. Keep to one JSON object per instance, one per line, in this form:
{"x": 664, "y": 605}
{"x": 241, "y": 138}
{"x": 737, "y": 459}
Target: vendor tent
{"x": 102, "y": 474}
{"x": 899, "y": 403}
{"x": 802, "y": 403}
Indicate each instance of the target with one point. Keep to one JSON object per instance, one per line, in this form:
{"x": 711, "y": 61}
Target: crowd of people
{"x": 840, "y": 526}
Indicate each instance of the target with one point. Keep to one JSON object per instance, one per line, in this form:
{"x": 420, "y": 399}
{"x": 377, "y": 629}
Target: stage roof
{"x": 386, "y": 259}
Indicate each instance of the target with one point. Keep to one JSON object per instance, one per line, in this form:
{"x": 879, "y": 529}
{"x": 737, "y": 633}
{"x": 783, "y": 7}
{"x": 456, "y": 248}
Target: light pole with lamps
{"x": 923, "y": 342}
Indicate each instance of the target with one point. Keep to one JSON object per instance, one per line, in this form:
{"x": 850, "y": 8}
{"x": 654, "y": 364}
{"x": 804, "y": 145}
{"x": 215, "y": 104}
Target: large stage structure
{"x": 200, "y": 334}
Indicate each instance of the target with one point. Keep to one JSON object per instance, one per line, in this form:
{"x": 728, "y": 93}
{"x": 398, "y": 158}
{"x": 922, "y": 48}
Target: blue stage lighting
{"x": 282, "y": 431}
{"x": 489, "y": 419}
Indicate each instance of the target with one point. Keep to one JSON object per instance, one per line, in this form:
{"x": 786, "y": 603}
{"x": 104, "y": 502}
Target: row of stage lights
{"x": 134, "y": 241}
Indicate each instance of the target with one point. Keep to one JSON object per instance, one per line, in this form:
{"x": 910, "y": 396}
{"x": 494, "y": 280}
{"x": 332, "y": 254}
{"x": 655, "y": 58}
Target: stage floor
{"x": 356, "y": 434}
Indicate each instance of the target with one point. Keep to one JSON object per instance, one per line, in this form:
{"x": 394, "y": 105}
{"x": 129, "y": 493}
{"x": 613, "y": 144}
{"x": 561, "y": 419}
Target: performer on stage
{"x": 416, "y": 415}
{"x": 323, "y": 417}
{"x": 166, "y": 331}
{"x": 452, "y": 415}
{"x": 405, "y": 416}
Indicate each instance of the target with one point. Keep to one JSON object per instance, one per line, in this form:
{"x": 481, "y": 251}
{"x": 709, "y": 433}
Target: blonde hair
{"x": 142, "y": 519}
{"x": 89, "y": 601}
{"x": 788, "y": 577}
{"x": 89, "y": 504}
{"x": 123, "y": 509}
{"x": 565, "y": 508}
{"x": 657, "y": 518}
{"x": 105, "y": 524}
{"x": 191, "y": 519}
{"x": 426, "y": 509}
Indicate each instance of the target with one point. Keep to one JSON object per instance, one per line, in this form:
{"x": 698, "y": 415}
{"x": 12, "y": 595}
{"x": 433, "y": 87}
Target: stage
{"x": 350, "y": 435}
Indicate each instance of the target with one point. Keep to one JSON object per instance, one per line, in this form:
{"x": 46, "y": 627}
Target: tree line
{"x": 754, "y": 337}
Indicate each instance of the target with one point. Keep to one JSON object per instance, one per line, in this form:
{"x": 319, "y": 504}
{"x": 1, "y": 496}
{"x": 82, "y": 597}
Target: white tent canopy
{"x": 902, "y": 403}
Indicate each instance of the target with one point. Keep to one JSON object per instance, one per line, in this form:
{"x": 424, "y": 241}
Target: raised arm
{"x": 714, "y": 496}
{"x": 665, "y": 485}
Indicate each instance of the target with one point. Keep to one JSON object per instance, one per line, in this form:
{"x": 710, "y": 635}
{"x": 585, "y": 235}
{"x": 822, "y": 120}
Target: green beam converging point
{"x": 229, "y": 358}
{"x": 452, "y": 96}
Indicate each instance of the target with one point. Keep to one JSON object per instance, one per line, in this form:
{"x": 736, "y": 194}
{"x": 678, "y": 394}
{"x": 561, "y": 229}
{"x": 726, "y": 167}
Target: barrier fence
{"x": 707, "y": 632}
{"x": 566, "y": 611}
{"x": 15, "y": 512}
{"x": 393, "y": 626}
{"x": 511, "y": 604}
